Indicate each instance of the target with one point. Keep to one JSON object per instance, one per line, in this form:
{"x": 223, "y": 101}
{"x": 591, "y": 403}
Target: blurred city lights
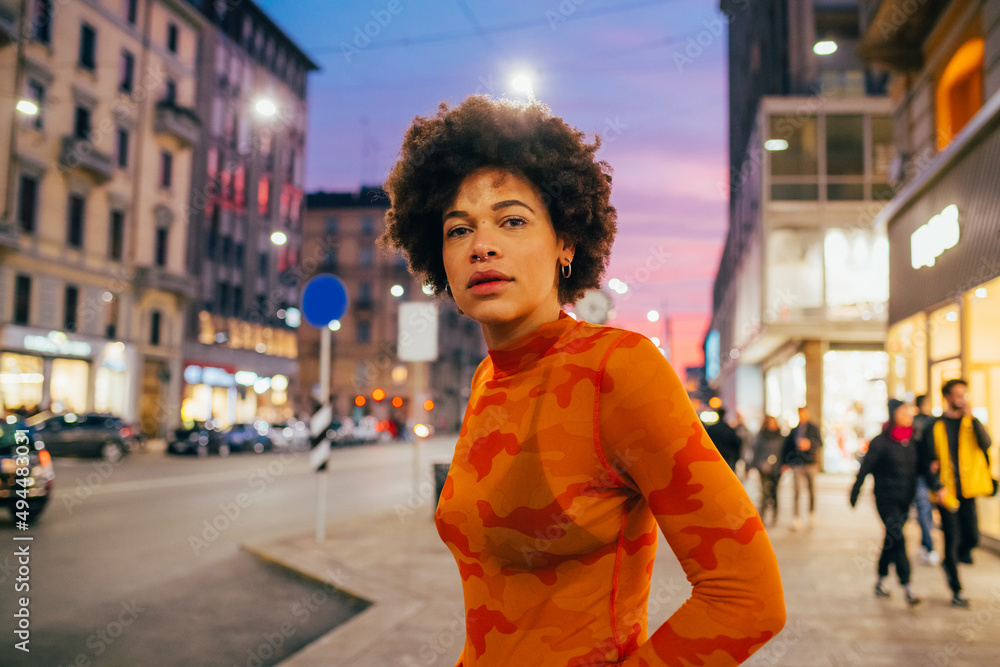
{"x": 378, "y": 395}
{"x": 655, "y": 340}
{"x": 397, "y": 402}
{"x": 825, "y": 47}
{"x": 266, "y": 108}
{"x": 396, "y": 290}
{"x": 618, "y": 286}
{"x": 775, "y": 145}
{"x": 428, "y": 405}
{"x": 279, "y": 238}
{"x": 981, "y": 292}
{"x": 715, "y": 402}
{"x": 421, "y": 430}
{"x": 27, "y": 107}
{"x": 360, "y": 401}
{"x": 653, "y": 316}
{"x": 279, "y": 383}
{"x": 709, "y": 416}
{"x": 334, "y": 325}
{"x": 107, "y": 297}
{"x": 428, "y": 290}
{"x": 293, "y": 317}
{"x": 952, "y": 316}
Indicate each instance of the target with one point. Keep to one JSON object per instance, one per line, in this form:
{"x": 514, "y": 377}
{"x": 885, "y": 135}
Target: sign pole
{"x": 324, "y": 391}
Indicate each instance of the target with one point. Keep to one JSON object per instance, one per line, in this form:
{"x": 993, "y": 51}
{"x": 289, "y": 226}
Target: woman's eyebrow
{"x": 496, "y": 207}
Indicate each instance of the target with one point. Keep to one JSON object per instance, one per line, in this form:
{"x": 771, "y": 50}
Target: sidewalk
{"x": 398, "y": 563}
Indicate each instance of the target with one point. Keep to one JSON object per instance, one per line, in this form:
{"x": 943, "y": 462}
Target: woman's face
{"x": 903, "y": 416}
{"x": 502, "y": 255}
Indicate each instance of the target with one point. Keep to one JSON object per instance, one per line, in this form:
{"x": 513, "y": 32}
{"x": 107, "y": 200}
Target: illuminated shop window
{"x": 959, "y": 91}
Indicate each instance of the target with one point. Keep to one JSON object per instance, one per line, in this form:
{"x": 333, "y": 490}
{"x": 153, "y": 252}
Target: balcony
{"x": 158, "y": 278}
{"x": 8, "y": 22}
{"x": 179, "y": 122}
{"x": 81, "y": 154}
{"x": 896, "y": 32}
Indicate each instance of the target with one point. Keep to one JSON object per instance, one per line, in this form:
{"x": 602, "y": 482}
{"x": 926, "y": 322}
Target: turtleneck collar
{"x": 529, "y": 348}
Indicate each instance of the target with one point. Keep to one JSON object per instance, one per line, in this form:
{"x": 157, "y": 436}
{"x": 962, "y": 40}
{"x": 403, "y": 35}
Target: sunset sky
{"x": 649, "y": 76}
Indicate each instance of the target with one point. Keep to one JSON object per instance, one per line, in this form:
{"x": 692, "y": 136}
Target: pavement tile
{"x": 398, "y": 562}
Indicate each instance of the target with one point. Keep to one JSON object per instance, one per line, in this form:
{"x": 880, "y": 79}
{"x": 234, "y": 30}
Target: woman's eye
{"x": 456, "y": 231}
{"x": 515, "y": 222}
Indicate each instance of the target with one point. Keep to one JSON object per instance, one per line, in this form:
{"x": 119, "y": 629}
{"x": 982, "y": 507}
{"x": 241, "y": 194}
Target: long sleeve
{"x": 788, "y": 448}
{"x": 982, "y": 437}
{"x": 926, "y": 456}
{"x": 867, "y": 466}
{"x": 654, "y": 443}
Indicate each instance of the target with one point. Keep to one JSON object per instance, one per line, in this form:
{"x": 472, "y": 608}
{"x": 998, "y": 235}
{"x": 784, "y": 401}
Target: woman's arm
{"x": 655, "y": 443}
{"x": 867, "y": 465}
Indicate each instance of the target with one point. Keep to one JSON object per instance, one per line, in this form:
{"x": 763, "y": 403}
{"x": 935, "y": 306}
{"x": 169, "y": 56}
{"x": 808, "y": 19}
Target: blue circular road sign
{"x": 324, "y": 299}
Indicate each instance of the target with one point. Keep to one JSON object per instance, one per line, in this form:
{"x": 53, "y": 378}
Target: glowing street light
{"x": 775, "y": 145}
{"x": 522, "y": 84}
{"x": 653, "y": 316}
{"x": 279, "y": 238}
{"x": 266, "y": 108}
{"x": 27, "y": 107}
{"x": 334, "y": 325}
{"x": 396, "y": 290}
{"x": 825, "y": 47}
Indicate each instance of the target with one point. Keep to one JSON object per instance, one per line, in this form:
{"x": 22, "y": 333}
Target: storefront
{"x": 52, "y": 370}
{"x": 944, "y": 307}
{"x": 228, "y": 395}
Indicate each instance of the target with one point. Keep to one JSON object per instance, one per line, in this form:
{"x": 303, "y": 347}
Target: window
{"x": 794, "y": 157}
{"x": 27, "y": 203}
{"x": 43, "y": 21}
{"x": 845, "y": 156}
{"x": 330, "y": 259}
{"x": 331, "y": 226}
{"x": 88, "y": 47}
{"x": 166, "y": 169}
{"x": 154, "y": 327}
{"x": 70, "y": 302}
{"x": 366, "y": 257}
{"x": 227, "y": 248}
{"x": 368, "y": 226}
{"x": 127, "y": 73}
{"x": 22, "y": 299}
{"x": 121, "y": 147}
{"x": 263, "y": 264}
{"x": 960, "y": 91}
{"x": 237, "y": 300}
{"x": 883, "y": 154}
{"x": 794, "y": 274}
{"x": 36, "y": 93}
{"x": 74, "y": 226}
{"x": 172, "y": 37}
{"x": 131, "y": 10}
{"x": 111, "y": 317}
{"x": 239, "y": 252}
{"x": 116, "y": 235}
{"x": 81, "y": 123}
{"x": 363, "y": 332}
{"x": 856, "y": 262}
{"x": 222, "y": 298}
{"x": 162, "y": 238}
{"x": 365, "y": 292}
{"x": 170, "y": 92}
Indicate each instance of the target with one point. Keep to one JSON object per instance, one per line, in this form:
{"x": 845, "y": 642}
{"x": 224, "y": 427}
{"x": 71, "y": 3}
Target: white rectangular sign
{"x": 418, "y": 331}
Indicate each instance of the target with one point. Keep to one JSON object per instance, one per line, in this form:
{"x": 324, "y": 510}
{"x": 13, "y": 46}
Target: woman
{"x": 892, "y": 460}
{"x": 578, "y": 439}
{"x": 767, "y": 461}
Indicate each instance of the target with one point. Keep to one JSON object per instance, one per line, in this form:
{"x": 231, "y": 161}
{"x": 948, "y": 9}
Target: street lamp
{"x": 27, "y": 107}
{"x": 279, "y": 238}
{"x": 522, "y": 84}
{"x": 266, "y": 108}
{"x": 653, "y": 316}
{"x": 396, "y": 290}
{"x": 825, "y": 47}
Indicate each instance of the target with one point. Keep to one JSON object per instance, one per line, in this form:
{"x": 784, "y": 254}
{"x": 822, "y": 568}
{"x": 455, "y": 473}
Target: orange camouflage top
{"x": 552, "y": 502}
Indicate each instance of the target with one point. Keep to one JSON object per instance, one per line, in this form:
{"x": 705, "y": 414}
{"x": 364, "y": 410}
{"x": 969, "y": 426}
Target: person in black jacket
{"x": 892, "y": 460}
{"x": 801, "y": 454}
{"x": 767, "y": 461}
{"x": 725, "y": 439}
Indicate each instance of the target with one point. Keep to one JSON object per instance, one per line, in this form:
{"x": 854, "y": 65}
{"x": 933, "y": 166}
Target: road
{"x": 139, "y": 562}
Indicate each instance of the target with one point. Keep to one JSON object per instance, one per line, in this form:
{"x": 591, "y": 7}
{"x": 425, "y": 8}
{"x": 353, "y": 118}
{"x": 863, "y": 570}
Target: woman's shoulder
{"x": 602, "y": 340}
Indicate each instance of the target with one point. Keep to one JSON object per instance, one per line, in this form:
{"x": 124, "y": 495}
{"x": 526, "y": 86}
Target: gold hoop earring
{"x": 566, "y": 270}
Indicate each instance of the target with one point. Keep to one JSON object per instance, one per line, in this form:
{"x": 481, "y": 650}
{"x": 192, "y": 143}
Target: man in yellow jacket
{"x": 955, "y": 460}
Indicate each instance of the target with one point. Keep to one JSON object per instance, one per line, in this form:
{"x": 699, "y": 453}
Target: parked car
{"x": 82, "y": 435}
{"x": 290, "y": 436}
{"x": 24, "y": 452}
{"x": 204, "y": 438}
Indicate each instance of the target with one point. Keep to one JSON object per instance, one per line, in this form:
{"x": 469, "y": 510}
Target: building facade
{"x": 240, "y": 350}
{"x": 367, "y": 376}
{"x": 96, "y": 184}
{"x": 944, "y": 218}
{"x": 799, "y": 301}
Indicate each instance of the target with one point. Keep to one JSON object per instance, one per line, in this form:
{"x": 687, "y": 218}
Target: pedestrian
{"x": 957, "y": 441}
{"x": 801, "y": 454}
{"x": 725, "y": 439}
{"x": 892, "y": 461}
{"x": 746, "y": 445}
{"x": 921, "y": 499}
{"x": 767, "y": 462}
{"x": 578, "y": 439}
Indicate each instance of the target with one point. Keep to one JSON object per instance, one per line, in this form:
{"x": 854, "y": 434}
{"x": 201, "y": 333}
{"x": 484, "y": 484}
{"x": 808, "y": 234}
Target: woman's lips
{"x": 490, "y": 287}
